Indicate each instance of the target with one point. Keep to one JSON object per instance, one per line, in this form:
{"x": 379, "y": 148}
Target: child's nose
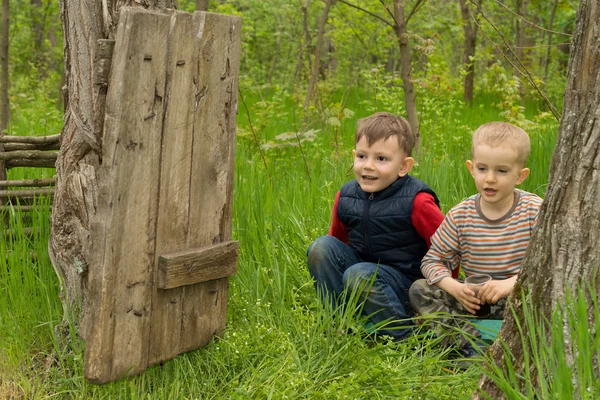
{"x": 490, "y": 177}
{"x": 369, "y": 164}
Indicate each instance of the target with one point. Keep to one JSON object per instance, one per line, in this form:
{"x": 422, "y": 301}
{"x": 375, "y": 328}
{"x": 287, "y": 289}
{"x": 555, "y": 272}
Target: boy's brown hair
{"x": 496, "y": 134}
{"x": 383, "y": 125}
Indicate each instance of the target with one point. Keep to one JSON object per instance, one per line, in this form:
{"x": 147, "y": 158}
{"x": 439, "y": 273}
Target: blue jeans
{"x": 383, "y": 289}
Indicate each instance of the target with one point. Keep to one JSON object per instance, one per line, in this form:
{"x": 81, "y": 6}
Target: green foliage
{"x": 506, "y": 87}
{"x": 280, "y": 342}
{"x": 35, "y": 68}
{"x": 386, "y": 91}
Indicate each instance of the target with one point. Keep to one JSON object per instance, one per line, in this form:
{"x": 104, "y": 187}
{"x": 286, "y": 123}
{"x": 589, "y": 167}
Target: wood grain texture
{"x": 127, "y": 214}
{"x": 166, "y": 186}
{"x": 173, "y": 216}
{"x": 211, "y": 189}
{"x": 193, "y": 139}
{"x": 41, "y": 140}
{"x": 197, "y": 265}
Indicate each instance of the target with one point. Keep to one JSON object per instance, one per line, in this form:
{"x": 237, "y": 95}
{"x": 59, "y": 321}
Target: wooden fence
{"x": 32, "y": 152}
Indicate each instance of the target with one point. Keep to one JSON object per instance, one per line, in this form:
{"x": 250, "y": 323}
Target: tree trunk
{"x": 549, "y": 49}
{"x": 84, "y": 23}
{"x": 315, "y": 69}
{"x": 202, "y": 5}
{"x": 470, "y": 42}
{"x": 520, "y": 42}
{"x": 4, "y": 99}
{"x": 564, "y": 248}
{"x": 275, "y": 59}
{"x": 37, "y": 27}
{"x": 305, "y": 45}
{"x": 406, "y": 72}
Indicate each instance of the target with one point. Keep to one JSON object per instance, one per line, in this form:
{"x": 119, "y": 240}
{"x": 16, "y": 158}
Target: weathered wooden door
{"x": 161, "y": 243}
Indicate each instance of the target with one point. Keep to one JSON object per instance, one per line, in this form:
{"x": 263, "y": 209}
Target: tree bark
{"x": 470, "y": 42}
{"x": 564, "y": 250}
{"x": 84, "y": 23}
{"x": 202, "y": 5}
{"x": 406, "y": 72}
{"x": 315, "y": 69}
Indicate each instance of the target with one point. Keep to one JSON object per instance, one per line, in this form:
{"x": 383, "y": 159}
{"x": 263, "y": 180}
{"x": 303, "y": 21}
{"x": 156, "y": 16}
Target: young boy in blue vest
{"x": 381, "y": 226}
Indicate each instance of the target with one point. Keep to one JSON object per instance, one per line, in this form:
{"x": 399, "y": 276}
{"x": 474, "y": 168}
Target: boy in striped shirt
{"x": 487, "y": 233}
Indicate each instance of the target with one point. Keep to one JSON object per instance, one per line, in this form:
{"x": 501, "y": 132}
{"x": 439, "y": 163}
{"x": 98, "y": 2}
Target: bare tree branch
{"x": 529, "y": 22}
{"x": 367, "y": 12}
{"x": 389, "y": 12}
{"x": 414, "y": 10}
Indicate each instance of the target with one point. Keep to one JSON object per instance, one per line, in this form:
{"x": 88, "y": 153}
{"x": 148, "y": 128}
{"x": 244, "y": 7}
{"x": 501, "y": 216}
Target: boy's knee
{"x": 418, "y": 292}
{"x": 357, "y": 275}
{"x": 319, "y": 249}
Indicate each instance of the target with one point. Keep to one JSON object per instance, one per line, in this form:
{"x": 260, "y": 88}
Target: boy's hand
{"x": 495, "y": 290}
{"x": 467, "y": 298}
{"x": 461, "y": 293}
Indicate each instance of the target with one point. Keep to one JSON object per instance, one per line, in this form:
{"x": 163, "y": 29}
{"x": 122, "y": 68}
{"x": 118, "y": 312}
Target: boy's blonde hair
{"x": 383, "y": 125}
{"x": 496, "y": 134}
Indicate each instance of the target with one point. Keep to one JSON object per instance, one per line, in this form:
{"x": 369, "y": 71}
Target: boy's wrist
{"x": 448, "y": 284}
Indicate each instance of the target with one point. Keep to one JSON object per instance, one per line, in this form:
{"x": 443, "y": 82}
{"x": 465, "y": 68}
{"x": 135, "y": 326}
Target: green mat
{"x": 489, "y": 328}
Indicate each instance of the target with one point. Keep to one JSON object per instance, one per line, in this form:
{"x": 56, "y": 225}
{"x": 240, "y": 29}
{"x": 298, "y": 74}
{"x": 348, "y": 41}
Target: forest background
{"x": 293, "y": 153}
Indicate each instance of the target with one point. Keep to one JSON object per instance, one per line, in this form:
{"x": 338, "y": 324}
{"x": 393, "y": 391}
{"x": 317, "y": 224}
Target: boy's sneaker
{"x": 469, "y": 355}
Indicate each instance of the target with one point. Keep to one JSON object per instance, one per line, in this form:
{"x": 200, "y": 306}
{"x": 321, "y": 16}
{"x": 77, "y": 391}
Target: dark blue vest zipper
{"x": 366, "y": 222}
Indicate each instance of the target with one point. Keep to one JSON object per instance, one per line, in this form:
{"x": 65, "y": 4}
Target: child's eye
{"x": 502, "y": 171}
{"x": 381, "y": 158}
{"x": 481, "y": 169}
{"x": 360, "y": 156}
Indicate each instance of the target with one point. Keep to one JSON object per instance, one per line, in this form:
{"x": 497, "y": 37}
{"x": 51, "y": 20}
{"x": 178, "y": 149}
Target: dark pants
{"x": 382, "y": 289}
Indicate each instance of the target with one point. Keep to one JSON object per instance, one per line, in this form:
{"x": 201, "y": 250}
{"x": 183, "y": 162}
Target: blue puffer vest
{"x": 380, "y": 229}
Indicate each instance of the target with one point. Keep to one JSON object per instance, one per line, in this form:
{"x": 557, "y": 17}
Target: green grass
{"x": 545, "y": 354}
{"x": 279, "y": 342}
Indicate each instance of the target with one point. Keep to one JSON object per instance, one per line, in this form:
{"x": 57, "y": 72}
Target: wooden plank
{"x": 38, "y": 182}
{"x": 125, "y": 225}
{"x": 197, "y": 265}
{"x": 28, "y": 155}
{"x": 211, "y": 184}
{"x": 205, "y": 311}
{"x": 32, "y": 162}
{"x": 31, "y": 146}
{"x": 11, "y": 194}
{"x": 30, "y": 139}
{"x": 174, "y": 195}
{"x": 155, "y": 197}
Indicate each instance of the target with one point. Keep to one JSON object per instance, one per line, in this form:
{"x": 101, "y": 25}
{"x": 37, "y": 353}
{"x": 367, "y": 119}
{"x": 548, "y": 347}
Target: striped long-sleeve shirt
{"x": 468, "y": 239}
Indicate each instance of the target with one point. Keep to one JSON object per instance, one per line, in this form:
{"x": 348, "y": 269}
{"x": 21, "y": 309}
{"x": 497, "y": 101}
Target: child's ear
{"x": 353, "y": 154}
{"x": 407, "y": 165}
{"x": 522, "y": 175}
{"x": 470, "y": 166}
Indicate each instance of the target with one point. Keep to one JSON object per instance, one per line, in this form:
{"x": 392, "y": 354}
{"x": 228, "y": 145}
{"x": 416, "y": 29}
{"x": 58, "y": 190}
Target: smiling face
{"x": 378, "y": 166}
{"x": 496, "y": 171}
